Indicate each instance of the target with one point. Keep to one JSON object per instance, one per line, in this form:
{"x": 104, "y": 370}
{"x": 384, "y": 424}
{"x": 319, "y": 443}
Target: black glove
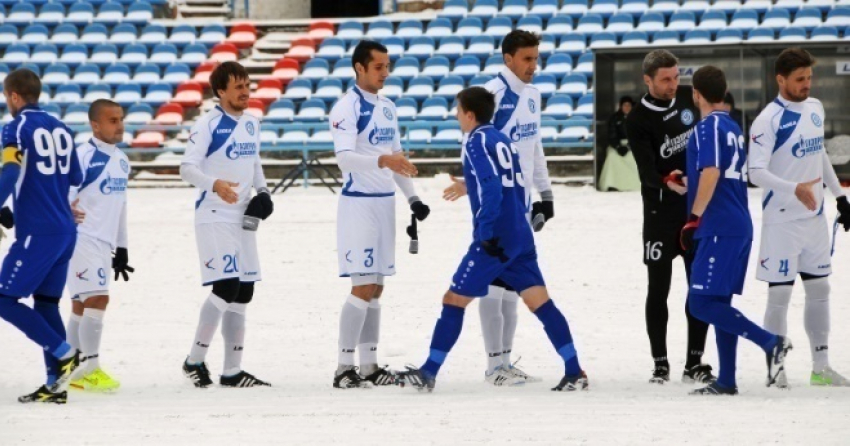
{"x": 119, "y": 264}
{"x": 843, "y": 213}
{"x": 686, "y": 239}
{"x": 622, "y": 150}
{"x": 261, "y": 206}
{"x": 492, "y": 248}
{"x": 7, "y": 219}
{"x": 420, "y": 210}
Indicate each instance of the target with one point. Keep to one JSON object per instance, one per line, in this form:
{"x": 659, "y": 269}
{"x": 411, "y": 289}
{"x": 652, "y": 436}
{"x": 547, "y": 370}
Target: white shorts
{"x": 794, "y": 247}
{"x": 227, "y": 251}
{"x": 365, "y": 235}
{"x": 90, "y": 269}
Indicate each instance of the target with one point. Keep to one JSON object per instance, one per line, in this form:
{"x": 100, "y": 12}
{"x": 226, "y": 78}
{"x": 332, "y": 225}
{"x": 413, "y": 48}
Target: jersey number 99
{"x": 54, "y": 149}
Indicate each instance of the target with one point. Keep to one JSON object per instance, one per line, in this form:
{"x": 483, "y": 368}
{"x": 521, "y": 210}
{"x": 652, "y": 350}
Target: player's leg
{"x": 233, "y": 324}
{"x": 91, "y": 330}
{"x": 510, "y": 302}
{"x": 352, "y": 319}
{"x": 72, "y": 330}
{"x": 446, "y": 332}
{"x": 695, "y": 371}
{"x": 48, "y": 308}
{"x": 492, "y": 325}
{"x": 660, "y": 248}
{"x": 779, "y": 262}
{"x": 370, "y": 335}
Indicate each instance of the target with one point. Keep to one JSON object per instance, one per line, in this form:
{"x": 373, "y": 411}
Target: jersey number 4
{"x": 738, "y": 168}
{"x": 54, "y": 149}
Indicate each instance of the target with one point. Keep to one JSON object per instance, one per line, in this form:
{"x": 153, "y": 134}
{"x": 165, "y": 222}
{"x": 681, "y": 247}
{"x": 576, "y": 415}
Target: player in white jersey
{"x": 102, "y": 197}
{"x": 518, "y": 105}
{"x": 223, "y": 161}
{"x": 369, "y": 154}
{"x": 787, "y": 159}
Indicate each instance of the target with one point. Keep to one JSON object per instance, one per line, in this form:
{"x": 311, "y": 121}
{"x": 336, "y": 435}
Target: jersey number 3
{"x": 54, "y": 149}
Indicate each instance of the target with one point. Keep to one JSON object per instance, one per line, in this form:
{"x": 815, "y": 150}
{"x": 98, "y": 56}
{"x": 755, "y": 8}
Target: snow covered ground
{"x": 591, "y": 256}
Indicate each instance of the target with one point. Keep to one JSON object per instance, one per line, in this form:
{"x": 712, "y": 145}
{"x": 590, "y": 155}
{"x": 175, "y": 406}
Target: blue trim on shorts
{"x": 347, "y": 193}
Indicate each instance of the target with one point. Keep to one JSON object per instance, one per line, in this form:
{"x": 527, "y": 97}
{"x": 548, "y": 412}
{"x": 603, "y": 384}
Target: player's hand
{"x": 806, "y": 195}
{"x": 675, "y": 181}
{"x": 420, "y": 210}
{"x": 398, "y": 163}
{"x": 120, "y": 266}
{"x": 686, "y": 238}
{"x": 224, "y": 189}
{"x": 844, "y": 212}
{"x": 455, "y": 191}
{"x": 261, "y": 206}
{"x": 7, "y": 219}
{"x": 492, "y": 248}
{"x": 79, "y": 214}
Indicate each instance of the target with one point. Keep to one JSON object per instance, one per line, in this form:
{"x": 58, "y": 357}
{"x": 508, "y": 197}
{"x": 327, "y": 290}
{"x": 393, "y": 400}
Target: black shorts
{"x": 662, "y": 226}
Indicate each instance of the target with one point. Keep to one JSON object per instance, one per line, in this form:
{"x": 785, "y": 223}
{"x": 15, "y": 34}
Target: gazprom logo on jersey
{"x": 110, "y": 185}
{"x": 240, "y": 149}
{"x": 807, "y": 146}
{"x": 381, "y": 135}
{"x": 523, "y": 131}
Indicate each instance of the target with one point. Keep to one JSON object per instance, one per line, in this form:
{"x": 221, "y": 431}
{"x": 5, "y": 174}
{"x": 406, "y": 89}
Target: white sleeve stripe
{"x": 484, "y": 149}
{"x": 716, "y": 142}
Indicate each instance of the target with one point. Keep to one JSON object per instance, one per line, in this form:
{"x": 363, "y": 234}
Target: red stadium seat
{"x": 169, "y": 114}
{"x": 268, "y": 90}
{"x": 286, "y": 69}
{"x": 256, "y": 107}
{"x": 301, "y": 50}
{"x": 320, "y": 31}
{"x": 224, "y": 52}
{"x": 203, "y": 72}
{"x": 189, "y": 94}
{"x": 243, "y": 35}
{"x": 148, "y": 139}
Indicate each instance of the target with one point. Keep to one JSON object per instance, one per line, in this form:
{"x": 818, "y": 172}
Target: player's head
{"x": 626, "y": 104}
{"x": 107, "y": 121}
{"x": 794, "y": 73}
{"x": 729, "y": 101}
{"x": 709, "y": 86}
{"x": 661, "y": 74}
{"x": 520, "y": 53}
{"x": 371, "y": 63}
{"x": 475, "y": 106}
{"x": 231, "y": 85}
{"x": 21, "y": 87}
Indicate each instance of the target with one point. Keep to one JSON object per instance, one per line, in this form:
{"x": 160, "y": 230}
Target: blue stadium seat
{"x": 352, "y": 30}
{"x": 163, "y": 54}
{"x": 605, "y": 8}
{"x": 827, "y": 5}
{"x": 547, "y": 84}
{"x": 697, "y": 37}
{"x": 331, "y": 48}
{"x": 63, "y": 34}
{"x": 807, "y": 19}
{"x": 328, "y": 90}
{"x": 451, "y": 137}
{"x": 420, "y": 88}
{"x": 745, "y": 19}
{"x": 406, "y": 68}
{"x": 729, "y": 36}
{"x": 574, "y": 8}
{"x": 792, "y": 34}
{"x": 56, "y": 74}
{"x": 316, "y": 69}
{"x": 634, "y": 7}
{"x": 139, "y": 13}
{"x": 153, "y": 34}
{"x": 547, "y": 45}
{"x": 128, "y": 94}
{"x": 531, "y": 24}
{"x": 776, "y": 19}
{"x": 124, "y": 34}
{"x": 493, "y": 65}
{"x": 499, "y": 26}
{"x": 572, "y": 44}
{"x": 484, "y": 8}
{"x": 407, "y": 109}
{"x": 470, "y": 26}
{"x": 44, "y": 54}
{"x": 158, "y": 94}
{"x": 451, "y": 47}
{"x": 635, "y": 38}
{"x": 449, "y": 87}
{"x": 651, "y": 22}
{"x": 76, "y": 114}
{"x": 86, "y": 74}
{"x": 575, "y": 128}
{"x": 21, "y": 14}
{"x": 395, "y": 47}
{"x": 664, "y": 7}
{"x": 298, "y": 89}
{"x": 584, "y": 107}
{"x": 343, "y": 69}
{"x": 8, "y": 35}
{"x": 440, "y": 27}
{"x": 434, "y": 109}
{"x": 558, "y": 65}
{"x": 177, "y": 73}
{"x": 139, "y": 114}
{"x": 838, "y": 17}
{"x": 560, "y": 24}
{"x": 409, "y": 29}
{"x": 94, "y": 35}
{"x": 281, "y": 110}
{"x": 682, "y": 21}
{"x": 110, "y": 13}
{"x": 74, "y": 54}
{"x": 620, "y": 24}
{"x": 134, "y": 54}
{"x": 480, "y": 80}
{"x": 393, "y": 88}
{"x": 80, "y": 14}
{"x": 590, "y": 24}
{"x": 147, "y": 74}
{"x": 544, "y": 8}
{"x": 603, "y": 40}
{"x": 312, "y": 110}
{"x": 194, "y": 54}
{"x": 436, "y": 67}
{"x": 32, "y": 67}
{"x": 514, "y": 8}
{"x": 183, "y": 35}
{"x": 467, "y": 67}
{"x": 51, "y": 14}
{"x": 53, "y": 110}
{"x": 4, "y": 71}
{"x": 116, "y": 74}
{"x": 758, "y": 6}
{"x": 212, "y": 34}
{"x": 727, "y": 7}
{"x": 454, "y": 9}
{"x": 68, "y": 94}
{"x": 379, "y": 29}
{"x": 35, "y": 34}
{"x": 788, "y": 5}
{"x": 559, "y": 106}
{"x": 421, "y": 47}
{"x": 666, "y": 37}
{"x": 16, "y": 54}
{"x": 481, "y": 46}
{"x": 761, "y": 35}
{"x": 104, "y": 54}
{"x": 584, "y": 65}
{"x": 825, "y": 33}
{"x": 697, "y": 7}
{"x": 713, "y": 21}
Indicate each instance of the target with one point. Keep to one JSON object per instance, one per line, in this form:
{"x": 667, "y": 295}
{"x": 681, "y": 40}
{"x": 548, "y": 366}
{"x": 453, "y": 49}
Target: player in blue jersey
{"x": 39, "y": 167}
{"x": 720, "y": 231}
{"x": 502, "y": 247}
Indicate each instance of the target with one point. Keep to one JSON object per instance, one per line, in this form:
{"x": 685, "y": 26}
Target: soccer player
{"x": 223, "y": 161}
{"x": 517, "y": 117}
{"x": 658, "y": 130}
{"x": 720, "y": 230}
{"x": 788, "y": 160}
{"x": 369, "y": 154}
{"x": 502, "y": 246}
{"x": 102, "y": 196}
{"x": 39, "y": 167}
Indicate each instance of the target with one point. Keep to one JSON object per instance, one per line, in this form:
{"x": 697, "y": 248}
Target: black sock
{"x": 659, "y": 274}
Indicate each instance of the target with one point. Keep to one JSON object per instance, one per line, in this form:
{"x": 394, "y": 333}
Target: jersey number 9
{"x": 506, "y": 160}
{"x": 54, "y": 149}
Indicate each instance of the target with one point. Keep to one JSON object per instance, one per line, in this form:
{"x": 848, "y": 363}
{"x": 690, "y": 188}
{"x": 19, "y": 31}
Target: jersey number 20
{"x": 54, "y": 149}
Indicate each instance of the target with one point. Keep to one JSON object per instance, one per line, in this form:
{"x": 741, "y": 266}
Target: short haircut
{"x": 792, "y": 59}
{"x": 519, "y": 38}
{"x": 658, "y": 59}
{"x": 25, "y": 83}
{"x": 222, "y": 74}
{"x": 479, "y": 101}
{"x": 98, "y": 105}
{"x": 626, "y": 99}
{"x": 363, "y": 53}
{"x": 710, "y": 82}
{"x": 729, "y": 99}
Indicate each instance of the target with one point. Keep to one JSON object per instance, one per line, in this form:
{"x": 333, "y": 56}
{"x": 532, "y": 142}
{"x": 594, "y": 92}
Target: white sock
{"x": 73, "y": 331}
{"x": 776, "y": 314}
{"x": 816, "y": 320}
{"x": 233, "y": 331}
{"x": 91, "y": 330}
{"x": 369, "y": 337}
{"x": 509, "y": 304}
{"x": 492, "y": 324}
{"x": 351, "y": 320}
{"x": 211, "y": 313}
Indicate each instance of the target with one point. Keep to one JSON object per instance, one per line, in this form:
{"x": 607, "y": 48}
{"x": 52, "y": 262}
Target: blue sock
{"x": 718, "y": 311}
{"x": 446, "y": 333}
{"x": 558, "y": 331}
{"x": 32, "y": 325}
{"x": 48, "y": 308}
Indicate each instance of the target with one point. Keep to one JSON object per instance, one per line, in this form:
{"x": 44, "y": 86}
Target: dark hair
{"x": 479, "y": 101}
{"x": 792, "y": 59}
{"x": 710, "y": 82}
{"x": 363, "y": 53}
{"x": 98, "y": 105}
{"x": 658, "y": 59}
{"x": 729, "y": 99}
{"x": 626, "y": 99}
{"x": 220, "y": 77}
{"x": 519, "y": 38}
{"x": 25, "y": 83}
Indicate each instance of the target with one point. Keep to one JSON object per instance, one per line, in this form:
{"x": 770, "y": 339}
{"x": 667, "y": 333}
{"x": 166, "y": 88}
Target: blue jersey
{"x": 43, "y": 147}
{"x": 497, "y": 190}
{"x": 717, "y": 142}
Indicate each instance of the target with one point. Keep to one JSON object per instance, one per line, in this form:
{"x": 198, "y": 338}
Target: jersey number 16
{"x": 54, "y": 149}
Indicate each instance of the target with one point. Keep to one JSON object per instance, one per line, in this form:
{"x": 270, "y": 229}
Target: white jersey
{"x": 223, "y": 147}
{"x": 518, "y": 117}
{"x": 102, "y": 193}
{"x": 787, "y": 140}
{"x": 366, "y": 124}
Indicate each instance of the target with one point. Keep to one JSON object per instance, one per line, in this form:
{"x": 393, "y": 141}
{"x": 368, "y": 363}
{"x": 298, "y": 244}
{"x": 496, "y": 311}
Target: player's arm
{"x": 121, "y": 258}
{"x": 12, "y": 157}
{"x": 458, "y": 186}
{"x": 190, "y": 167}
{"x": 261, "y": 205}
{"x": 489, "y": 186}
{"x": 708, "y": 163}
{"x": 543, "y": 184}
{"x": 639, "y": 137}
{"x": 831, "y": 180}
{"x": 405, "y": 183}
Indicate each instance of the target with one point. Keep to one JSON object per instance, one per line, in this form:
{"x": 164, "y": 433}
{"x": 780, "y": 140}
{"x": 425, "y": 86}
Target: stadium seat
{"x": 139, "y": 13}
{"x": 620, "y": 24}
{"x": 449, "y": 87}
{"x": 212, "y": 35}
{"x": 682, "y": 21}
{"x": 807, "y": 19}
{"x": 406, "y": 108}
{"x": 53, "y": 110}
{"x": 544, "y": 8}
{"x": 189, "y": 94}
{"x": 573, "y": 85}
{"x": 63, "y": 34}
{"x": 35, "y": 34}
{"x": 44, "y": 54}
{"x": 268, "y": 137}
{"x": 343, "y": 69}
{"x": 697, "y": 7}
{"x": 455, "y": 9}
{"x": 301, "y": 50}
{"x": 792, "y": 35}
{"x": 713, "y": 21}
{"x": 406, "y": 68}
{"x": 351, "y": 30}
{"x": 434, "y": 109}
{"x": 789, "y": 5}
{"x": 67, "y": 94}
{"x": 332, "y": 49}
{"x": 729, "y": 36}
{"x": 758, "y": 6}
{"x": 409, "y": 29}
{"x": 664, "y": 7}
{"x": 32, "y": 67}
{"x": 320, "y": 137}
{"x": 559, "y": 25}
{"x": 128, "y": 94}
{"x": 285, "y": 70}
{"x": 134, "y": 54}
{"x": 227, "y": 52}
{"x": 110, "y": 14}
{"x": 666, "y": 37}
{"x": 761, "y": 35}
{"x": 559, "y": 106}
{"x": 498, "y": 27}
{"x": 574, "y": 130}
{"x": 183, "y": 35}
{"x": 316, "y": 69}
{"x": 826, "y": 5}
{"x": 139, "y": 114}
{"x": 379, "y": 29}
{"x": 204, "y": 70}
{"x": 481, "y": 47}
{"x": 116, "y": 75}
{"x": 281, "y": 110}
{"x": 123, "y": 34}
{"x": 294, "y": 137}
{"x": 8, "y": 35}
{"x": 572, "y": 44}
{"x": 319, "y": 31}
{"x": 56, "y": 74}
{"x": 420, "y": 88}
{"x": 825, "y": 33}
{"x": 242, "y": 35}
{"x": 838, "y": 17}
{"x": 76, "y": 114}
{"x": 635, "y": 38}
{"x": 21, "y": 14}
{"x": 440, "y": 27}
{"x": 548, "y": 133}
{"x": 635, "y": 8}
{"x": 268, "y": 90}
{"x": 421, "y": 47}
{"x": 94, "y": 35}
{"x": 312, "y": 110}
{"x": 605, "y": 8}
{"x": 80, "y": 14}
{"x": 163, "y": 54}
{"x": 169, "y": 113}
{"x": 393, "y": 88}
{"x": 16, "y": 54}
{"x": 558, "y": 65}
{"x": 193, "y": 54}
{"x": 584, "y": 107}
{"x": 493, "y": 65}
{"x": 298, "y": 89}
{"x": 603, "y": 40}
{"x": 147, "y": 74}
{"x": 776, "y": 19}
{"x": 395, "y": 47}
{"x": 531, "y": 24}
{"x": 447, "y": 136}
{"x": 590, "y": 24}
{"x": 574, "y": 8}
{"x": 547, "y": 45}
{"x": 450, "y": 47}
{"x": 584, "y": 65}
{"x": 727, "y": 7}
{"x": 153, "y": 34}
{"x": 158, "y": 94}
{"x": 484, "y": 8}
{"x": 697, "y": 37}
{"x": 745, "y": 20}
{"x": 546, "y": 84}
{"x": 436, "y": 67}
{"x": 514, "y": 9}
{"x": 467, "y": 67}
{"x": 104, "y": 54}
{"x": 470, "y": 26}
{"x": 73, "y": 54}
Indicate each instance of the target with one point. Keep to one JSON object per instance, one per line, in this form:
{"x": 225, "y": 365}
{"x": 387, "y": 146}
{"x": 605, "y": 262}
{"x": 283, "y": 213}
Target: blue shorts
{"x": 720, "y": 265}
{"x": 478, "y": 270}
{"x": 37, "y": 264}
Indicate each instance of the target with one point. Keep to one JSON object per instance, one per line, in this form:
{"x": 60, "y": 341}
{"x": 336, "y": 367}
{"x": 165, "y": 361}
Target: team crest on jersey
{"x": 240, "y": 149}
{"x": 388, "y": 113}
{"x": 110, "y": 185}
{"x": 124, "y": 166}
{"x": 531, "y": 105}
{"x": 249, "y": 126}
{"x": 687, "y": 117}
{"x": 816, "y": 120}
